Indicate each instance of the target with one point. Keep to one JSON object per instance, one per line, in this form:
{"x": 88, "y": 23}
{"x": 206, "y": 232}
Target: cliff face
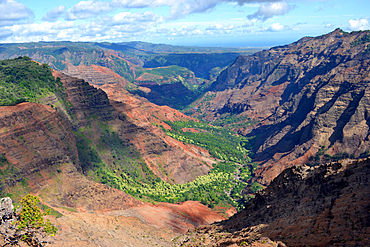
{"x": 166, "y": 161}
{"x": 306, "y": 95}
{"x": 149, "y": 116}
{"x": 34, "y": 137}
{"x": 304, "y": 206}
{"x": 95, "y": 74}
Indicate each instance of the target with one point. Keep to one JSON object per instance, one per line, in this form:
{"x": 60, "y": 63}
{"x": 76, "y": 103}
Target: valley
{"x": 136, "y": 144}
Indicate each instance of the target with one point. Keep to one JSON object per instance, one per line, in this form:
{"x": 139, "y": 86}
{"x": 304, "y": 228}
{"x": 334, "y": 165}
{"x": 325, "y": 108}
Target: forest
{"x": 23, "y": 80}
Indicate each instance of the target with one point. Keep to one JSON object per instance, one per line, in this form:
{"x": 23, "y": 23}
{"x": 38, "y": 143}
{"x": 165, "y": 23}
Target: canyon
{"x": 87, "y": 145}
{"x": 299, "y": 98}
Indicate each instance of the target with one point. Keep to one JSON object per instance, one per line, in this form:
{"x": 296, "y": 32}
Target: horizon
{"x": 203, "y": 23}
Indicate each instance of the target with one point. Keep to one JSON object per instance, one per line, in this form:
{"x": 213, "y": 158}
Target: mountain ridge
{"x": 301, "y": 97}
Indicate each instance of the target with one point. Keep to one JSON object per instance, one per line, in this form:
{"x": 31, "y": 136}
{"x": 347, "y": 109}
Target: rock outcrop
{"x": 303, "y": 206}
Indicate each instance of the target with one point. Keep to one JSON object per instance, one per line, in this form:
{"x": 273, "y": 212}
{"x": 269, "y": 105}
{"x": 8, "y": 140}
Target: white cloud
{"x": 87, "y": 9}
{"x": 248, "y": 24}
{"x": 180, "y": 9}
{"x": 328, "y": 25}
{"x": 359, "y": 24}
{"x": 12, "y": 12}
{"x": 276, "y": 27}
{"x": 132, "y": 18}
{"x": 5, "y": 33}
{"x": 140, "y": 3}
{"x": 268, "y": 10}
{"x": 219, "y": 26}
{"x": 54, "y": 14}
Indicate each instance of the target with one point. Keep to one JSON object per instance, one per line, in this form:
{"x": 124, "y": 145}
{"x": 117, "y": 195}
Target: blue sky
{"x": 233, "y": 23}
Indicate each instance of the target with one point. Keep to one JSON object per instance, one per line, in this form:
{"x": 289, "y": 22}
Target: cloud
{"x": 87, "y": 9}
{"x": 276, "y": 27}
{"x": 131, "y": 18}
{"x": 140, "y": 3}
{"x": 103, "y": 21}
{"x": 248, "y": 24}
{"x": 219, "y": 26}
{"x": 268, "y": 10}
{"x": 12, "y": 12}
{"x": 5, "y": 33}
{"x": 183, "y": 8}
{"x": 359, "y": 24}
{"x": 54, "y": 14}
{"x": 328, "y": 25}
{"x": 180, "y": 9}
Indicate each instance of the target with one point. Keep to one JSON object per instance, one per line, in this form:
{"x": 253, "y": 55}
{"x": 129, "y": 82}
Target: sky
{"x": 228, "y": 23}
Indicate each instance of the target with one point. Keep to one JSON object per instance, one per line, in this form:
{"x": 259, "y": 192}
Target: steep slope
{"x": 149, "y": 116}
{"x": 303, "y": 206}
{"x": 165, "y": 161}
{"x": 309, "y": 95}
{"x": 23, "y": 127}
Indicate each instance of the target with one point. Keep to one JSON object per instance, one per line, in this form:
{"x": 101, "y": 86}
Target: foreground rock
{"x": 303, "y": 206}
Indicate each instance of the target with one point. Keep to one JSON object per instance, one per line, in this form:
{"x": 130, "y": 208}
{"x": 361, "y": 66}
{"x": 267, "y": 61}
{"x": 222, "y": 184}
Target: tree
{"x": 27, "y": 224}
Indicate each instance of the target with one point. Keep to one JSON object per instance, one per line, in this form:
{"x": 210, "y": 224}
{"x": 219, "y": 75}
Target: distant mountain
{"x": 302, "y": 103}
{"x": 139, "y": 64}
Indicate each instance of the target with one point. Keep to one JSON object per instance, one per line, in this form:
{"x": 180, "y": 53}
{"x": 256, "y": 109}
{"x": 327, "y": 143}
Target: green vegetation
{"x": 200, "y": 63}
{"x": 108, "y": 159}
{"x": 220, "y": 142}
{"x": 364, "y": 39}
{"x": 24, "y": 80}
{"x": 31, "y": 220}
{"x": 167, "y": 75}
{"x": 3, "y": 160}
{"x": 121, "y": 67}
{"x": 50, "y": 211}
{"x": 233, "y": 121}
{"x": 255, "y": 187}
{"x": 11, "y": 175}
{"x": 29, "y": 225}
{"x": 216, "y": 188}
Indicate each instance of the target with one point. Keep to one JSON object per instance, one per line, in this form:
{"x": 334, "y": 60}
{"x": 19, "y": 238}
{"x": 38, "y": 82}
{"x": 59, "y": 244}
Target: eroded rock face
{"x": 95, "y": 74}
{"x": 179, "y": 158}
{"x": 305, "y": 206}
{"x": 34, "y": 137}
{"x": 312, "y": 93}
